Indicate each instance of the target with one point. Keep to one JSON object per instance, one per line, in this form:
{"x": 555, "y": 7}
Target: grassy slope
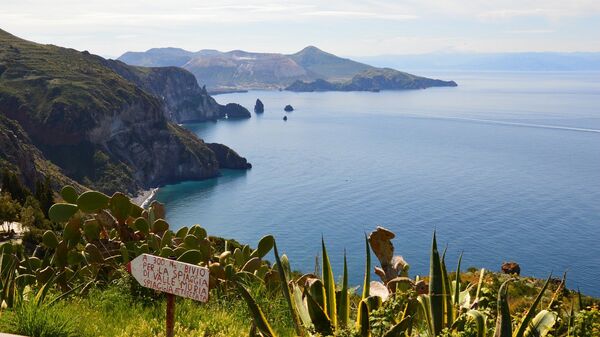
{"x": 116, "y": 312}
{"x": 125, "y": 309}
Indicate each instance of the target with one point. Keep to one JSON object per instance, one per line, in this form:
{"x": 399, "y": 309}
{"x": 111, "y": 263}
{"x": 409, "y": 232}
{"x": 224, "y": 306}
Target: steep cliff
{"x": 228, "y": 158}
{"x": 100, "y": 128}
{"x": 19, "y": 155}
{"x": 183, "y": 98}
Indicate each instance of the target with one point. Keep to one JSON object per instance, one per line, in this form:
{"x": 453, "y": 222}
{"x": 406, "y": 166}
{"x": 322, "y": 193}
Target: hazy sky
{"x": 347, "y": 27}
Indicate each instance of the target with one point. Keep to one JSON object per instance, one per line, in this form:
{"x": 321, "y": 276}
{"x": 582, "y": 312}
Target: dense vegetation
{"x": 73, "y": 283}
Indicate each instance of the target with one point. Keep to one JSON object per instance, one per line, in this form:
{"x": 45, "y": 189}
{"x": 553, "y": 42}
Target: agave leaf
{"x": 436, "y": 289}
{"x": 329, "y": 284}
{"x": 479, "y": 321}
{"x": 318, "y": 316}
{"x": 367, "y": 280}
{"x": 541, "y": 324}
{"x": 301, "y": 308}
{"x": 481, "y": 273}
{"x": 457, "y": 282}
{"x": 362, "y": 319}
{"x": 41, "y": 293}
{"x": 344, "y": 302}
{"x": 286, "y": 291}
{"x": 531, "y": 312}
{"x": 503, "y": 322}
{"x": 285, "y": 263}
{"x": 447, "y": 295}
{"x": 571, "y": 319}
{"x": 400, "y": 329}
{"x": 257, "y": 314}
{"x": 425, "y": 308}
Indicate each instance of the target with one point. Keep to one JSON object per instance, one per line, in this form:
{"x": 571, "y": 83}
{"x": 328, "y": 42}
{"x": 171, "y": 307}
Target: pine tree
{"x": 44, "y": 194}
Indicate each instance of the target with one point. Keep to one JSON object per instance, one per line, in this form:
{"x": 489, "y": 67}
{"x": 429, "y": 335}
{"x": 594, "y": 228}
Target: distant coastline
{"x": 226, "y": 91}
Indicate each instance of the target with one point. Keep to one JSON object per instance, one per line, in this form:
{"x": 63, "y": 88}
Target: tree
{"x": 11, "y": 184}
{"x": 44, "y": 194}
{"x": 32, "y": 216}
{"x": 9, "y": 211}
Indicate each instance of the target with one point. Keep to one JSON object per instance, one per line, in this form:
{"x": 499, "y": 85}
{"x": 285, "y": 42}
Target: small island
{"x": 288, "y": 108}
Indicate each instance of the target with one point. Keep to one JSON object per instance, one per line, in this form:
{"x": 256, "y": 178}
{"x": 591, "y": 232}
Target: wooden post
{"x": 170, "y": 315}
{"x": 144, "y": 269}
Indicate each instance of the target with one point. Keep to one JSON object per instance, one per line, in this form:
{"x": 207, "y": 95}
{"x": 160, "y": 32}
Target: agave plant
{"x": 531, "y": 325}
{"x": 316, "y": 307}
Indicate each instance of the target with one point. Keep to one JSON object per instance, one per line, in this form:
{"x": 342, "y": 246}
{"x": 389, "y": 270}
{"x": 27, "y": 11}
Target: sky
{"x": 347, "y": 27}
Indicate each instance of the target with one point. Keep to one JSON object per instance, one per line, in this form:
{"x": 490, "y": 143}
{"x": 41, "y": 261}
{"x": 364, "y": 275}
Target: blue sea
{"x": 505, "y": 167}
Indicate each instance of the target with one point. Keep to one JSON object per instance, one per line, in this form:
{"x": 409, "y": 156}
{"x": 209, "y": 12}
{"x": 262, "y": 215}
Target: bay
{"x": 505, "y": 167}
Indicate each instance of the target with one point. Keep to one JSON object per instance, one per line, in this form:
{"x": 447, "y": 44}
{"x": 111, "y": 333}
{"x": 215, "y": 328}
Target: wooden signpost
{"x": 171, "y": 277}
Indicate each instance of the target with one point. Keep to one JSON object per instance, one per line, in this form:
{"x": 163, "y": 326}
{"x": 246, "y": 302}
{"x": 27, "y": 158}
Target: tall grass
{"x": 117, "y": 311}
{"x": 39, "y": 321}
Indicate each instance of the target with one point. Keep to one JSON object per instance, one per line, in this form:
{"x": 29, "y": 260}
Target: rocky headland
{"x": 372, "y": 80}
{"x": 81, "y": 119}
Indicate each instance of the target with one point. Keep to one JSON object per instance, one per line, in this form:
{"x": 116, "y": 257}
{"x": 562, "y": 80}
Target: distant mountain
{"x": 240, "y": 70}
{"x": 373, "y": 80}
{"x": 542, "y": 61}
{"x": 81, "y": 119}
{"x": 322, "y": 65}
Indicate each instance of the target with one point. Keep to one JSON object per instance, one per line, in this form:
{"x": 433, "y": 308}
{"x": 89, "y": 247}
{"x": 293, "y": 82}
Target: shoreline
{"x": 145, "y": 197}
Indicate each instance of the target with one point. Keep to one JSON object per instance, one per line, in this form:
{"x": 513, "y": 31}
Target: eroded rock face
{"x": 184, "y": 100}
{"x": 511, "y": 268}
{"x": 228, "y": 158}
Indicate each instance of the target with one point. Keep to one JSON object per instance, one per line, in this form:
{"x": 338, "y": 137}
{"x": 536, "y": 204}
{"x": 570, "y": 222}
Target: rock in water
{"x": 288, "y": 108}
{"x": 511, "y": 268}
{"x": 259, "y": 107}
{"x": 234, "y": 111}
{"x": 285, "y": 118}
{"x": 228, "y": 158}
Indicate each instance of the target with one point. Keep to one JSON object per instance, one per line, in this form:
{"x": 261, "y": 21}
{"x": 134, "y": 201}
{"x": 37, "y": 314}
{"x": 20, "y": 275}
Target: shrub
{"x": 587, "y": 323}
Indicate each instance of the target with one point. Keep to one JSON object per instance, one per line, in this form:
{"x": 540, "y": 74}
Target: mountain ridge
{"x": 241, "y": 70}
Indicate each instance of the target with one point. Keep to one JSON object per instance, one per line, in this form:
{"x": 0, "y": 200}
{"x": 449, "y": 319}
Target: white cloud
{"x": 349, "y": 27}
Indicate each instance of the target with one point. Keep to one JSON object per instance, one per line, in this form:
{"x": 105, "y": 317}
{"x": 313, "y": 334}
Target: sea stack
{"x": 288, "y": 108}
{"x": 259, "y": 107}
{"x": 285, "y": 118}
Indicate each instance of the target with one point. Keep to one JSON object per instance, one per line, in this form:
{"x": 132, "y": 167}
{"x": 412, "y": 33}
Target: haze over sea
{"x": 505, "y": 167}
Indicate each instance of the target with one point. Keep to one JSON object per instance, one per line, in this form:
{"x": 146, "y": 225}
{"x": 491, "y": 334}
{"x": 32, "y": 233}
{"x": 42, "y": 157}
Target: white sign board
{"x": 169, "y": 276}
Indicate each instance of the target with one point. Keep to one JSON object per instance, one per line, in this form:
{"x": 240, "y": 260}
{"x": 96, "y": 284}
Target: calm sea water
{"x": 505, "y": 167}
